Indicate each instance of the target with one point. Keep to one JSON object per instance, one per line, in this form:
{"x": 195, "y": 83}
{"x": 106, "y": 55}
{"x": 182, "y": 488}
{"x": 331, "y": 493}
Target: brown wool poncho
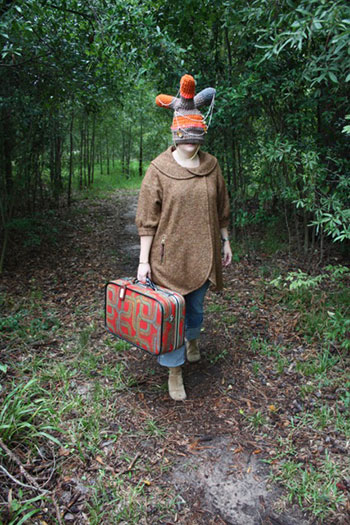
{"x": 184, "y": 210}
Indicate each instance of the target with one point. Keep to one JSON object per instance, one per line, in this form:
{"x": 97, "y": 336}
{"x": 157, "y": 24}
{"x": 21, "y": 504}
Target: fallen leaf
{"x": 193, "y": 445}
{"x": 341, "y": 486}
{"x": 99, "y": 460}
{"x": 63, "y": 452}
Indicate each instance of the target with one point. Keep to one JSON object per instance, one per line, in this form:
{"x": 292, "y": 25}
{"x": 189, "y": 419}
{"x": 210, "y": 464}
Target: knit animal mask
{"x": 188, "y": 124}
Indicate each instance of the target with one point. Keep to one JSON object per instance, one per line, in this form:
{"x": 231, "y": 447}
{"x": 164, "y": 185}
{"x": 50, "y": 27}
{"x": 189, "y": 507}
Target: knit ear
{"x": 166, "y": 101}
{"x": 204, "y": 97}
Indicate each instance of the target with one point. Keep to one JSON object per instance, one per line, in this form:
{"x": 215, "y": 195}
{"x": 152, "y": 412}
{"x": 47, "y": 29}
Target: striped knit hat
{"x": 188, "y": 125}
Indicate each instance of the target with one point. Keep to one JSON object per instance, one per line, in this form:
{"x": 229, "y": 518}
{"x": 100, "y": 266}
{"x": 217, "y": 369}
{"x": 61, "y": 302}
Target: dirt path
{"x": 215, "y": 480}
{"x": 202, "y": 453}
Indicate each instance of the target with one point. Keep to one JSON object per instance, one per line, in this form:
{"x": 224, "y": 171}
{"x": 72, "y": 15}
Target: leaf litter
{"x": 150, "y": 460}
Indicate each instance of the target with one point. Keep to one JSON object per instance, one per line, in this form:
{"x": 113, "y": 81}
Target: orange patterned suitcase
{"x": 147, "y": 316}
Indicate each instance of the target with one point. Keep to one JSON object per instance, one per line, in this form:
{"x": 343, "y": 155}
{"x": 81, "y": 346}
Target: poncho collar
{"x": 167, "y": 165}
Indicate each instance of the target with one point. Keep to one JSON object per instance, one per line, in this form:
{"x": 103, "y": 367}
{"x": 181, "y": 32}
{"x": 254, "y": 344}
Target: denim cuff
{"x": 193, "y": 333}
{"x": 175, "y": 358}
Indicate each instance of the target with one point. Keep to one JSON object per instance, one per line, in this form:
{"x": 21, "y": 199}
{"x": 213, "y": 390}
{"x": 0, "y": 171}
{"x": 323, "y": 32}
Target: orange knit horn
{"x": 189, "y": 124}
{"x": 187, "y": 86}
{"x": 164, "y": 100}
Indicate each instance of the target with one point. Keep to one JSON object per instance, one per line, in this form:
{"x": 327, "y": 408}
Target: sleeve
{"x": 149, "y": 204}
{"x": 223, "y": 202}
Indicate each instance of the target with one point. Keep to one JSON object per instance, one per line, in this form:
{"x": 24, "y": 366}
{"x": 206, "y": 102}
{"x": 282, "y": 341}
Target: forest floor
{"x": 267, "y": 414}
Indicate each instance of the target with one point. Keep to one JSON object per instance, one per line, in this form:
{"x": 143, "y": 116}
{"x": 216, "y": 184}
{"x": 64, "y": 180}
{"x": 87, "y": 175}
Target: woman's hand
{"x": 227, "y": 258}
{"x": 144, "y": 271}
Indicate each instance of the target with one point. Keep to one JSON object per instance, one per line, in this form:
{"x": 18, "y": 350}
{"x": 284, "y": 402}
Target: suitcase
{"x": 147, "y": 316}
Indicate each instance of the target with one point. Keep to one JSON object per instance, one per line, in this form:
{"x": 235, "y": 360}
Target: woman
{"x": 182, "y": 218}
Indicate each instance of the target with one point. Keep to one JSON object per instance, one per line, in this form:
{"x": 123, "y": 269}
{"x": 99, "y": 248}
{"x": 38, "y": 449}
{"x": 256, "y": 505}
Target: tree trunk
{"x": 107, "y": 153}
{"x": 7, "y": 151}
{"x": 128, "y": 153}
{"x": 123, "y": 153}
{"x": 55, "y": 165}
{"x": 3, "y": 249}
{"x": 70, "y": 174}
{"x": 92, "y": 148}
{"x": 36, "y": 169}
{"x": 101, "y": 157}
{"x": 81, "y": 157}
{"x": 141, "y": 150}
{"x": 88, "y": 154}
{"x": 306, "y": 232}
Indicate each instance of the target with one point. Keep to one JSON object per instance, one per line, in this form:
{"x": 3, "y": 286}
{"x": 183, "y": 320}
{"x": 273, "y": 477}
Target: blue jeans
{"x": 193, "y": 324}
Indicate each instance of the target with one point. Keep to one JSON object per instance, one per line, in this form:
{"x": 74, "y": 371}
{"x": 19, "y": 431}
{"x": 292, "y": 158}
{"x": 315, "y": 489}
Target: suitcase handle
{"x": 148, "y": 283}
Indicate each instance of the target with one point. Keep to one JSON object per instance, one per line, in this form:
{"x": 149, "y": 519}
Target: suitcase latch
{"x": 122, "y": 292}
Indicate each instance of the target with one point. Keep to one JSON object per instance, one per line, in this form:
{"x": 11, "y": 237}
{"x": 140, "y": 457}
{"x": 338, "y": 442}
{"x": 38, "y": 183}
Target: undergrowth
{"x": 307, "y": 460}
{"x": 62, "y": 397}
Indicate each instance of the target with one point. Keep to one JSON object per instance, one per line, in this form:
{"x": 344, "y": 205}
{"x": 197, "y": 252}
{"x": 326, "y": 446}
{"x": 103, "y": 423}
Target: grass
{"x": 78, "y": 396}
{"x": 120, "y": 501}
{"x": 215, "y": 357}
{"x": 303, "y": 461}
{"x": 44, "y": 227}
{"x": 28, "y": 421}
{"x": 256, "y": 420}
{"x": 215, "y": 308}
{"x": 104, "y": 183}
{"x": 26, "y": 415}
{"x": 323, "y": 300}
{"x": 313, "y": 489}
{"x": 84, "y": 419}
{"x": 318, "y": 365}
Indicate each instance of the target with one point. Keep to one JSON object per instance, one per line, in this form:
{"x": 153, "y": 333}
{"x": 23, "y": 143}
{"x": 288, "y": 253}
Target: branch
{"x": 15, "y": 480}
{"x": 6, "y": 6}
{"x": 32, "y": 59}
{"x": 131, "y": 466}
{"x": 79, "y": 13}
{"x": 30, "y": 478}
{"x": 21, "y": 467}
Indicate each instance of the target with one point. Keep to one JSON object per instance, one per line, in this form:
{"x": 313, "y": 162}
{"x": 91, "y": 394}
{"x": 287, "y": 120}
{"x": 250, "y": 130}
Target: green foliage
{"x": 318, "y": 365}
{"x": 217, "y": 356}
{"x": 36, "y": 230}
{"x": 312, "y": 488}
{"x": 73, "y": 93}
{"x": 25, "y": 415}
{"x": 78, "y": 86}
{"x": 256, "y": 420}
{"x": 300, "y": 280}
{"x": 20, "y": 511}
{"x": 286, "y": 93}
{"x": 324, "y": 303}
{"x": 338, "y": 329}
{"x": 21, "y": 325}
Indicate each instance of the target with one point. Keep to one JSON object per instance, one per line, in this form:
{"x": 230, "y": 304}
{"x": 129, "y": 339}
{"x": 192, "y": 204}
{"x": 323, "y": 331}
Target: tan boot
{"x": 192, "y": 350}
{"x": 175, "y": 383}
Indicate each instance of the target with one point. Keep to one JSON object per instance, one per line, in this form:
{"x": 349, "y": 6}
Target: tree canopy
{"x": 78, "y": 81}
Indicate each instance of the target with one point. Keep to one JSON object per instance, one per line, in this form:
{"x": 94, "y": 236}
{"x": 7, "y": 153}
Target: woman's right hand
{"x": 144, "y": 271}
